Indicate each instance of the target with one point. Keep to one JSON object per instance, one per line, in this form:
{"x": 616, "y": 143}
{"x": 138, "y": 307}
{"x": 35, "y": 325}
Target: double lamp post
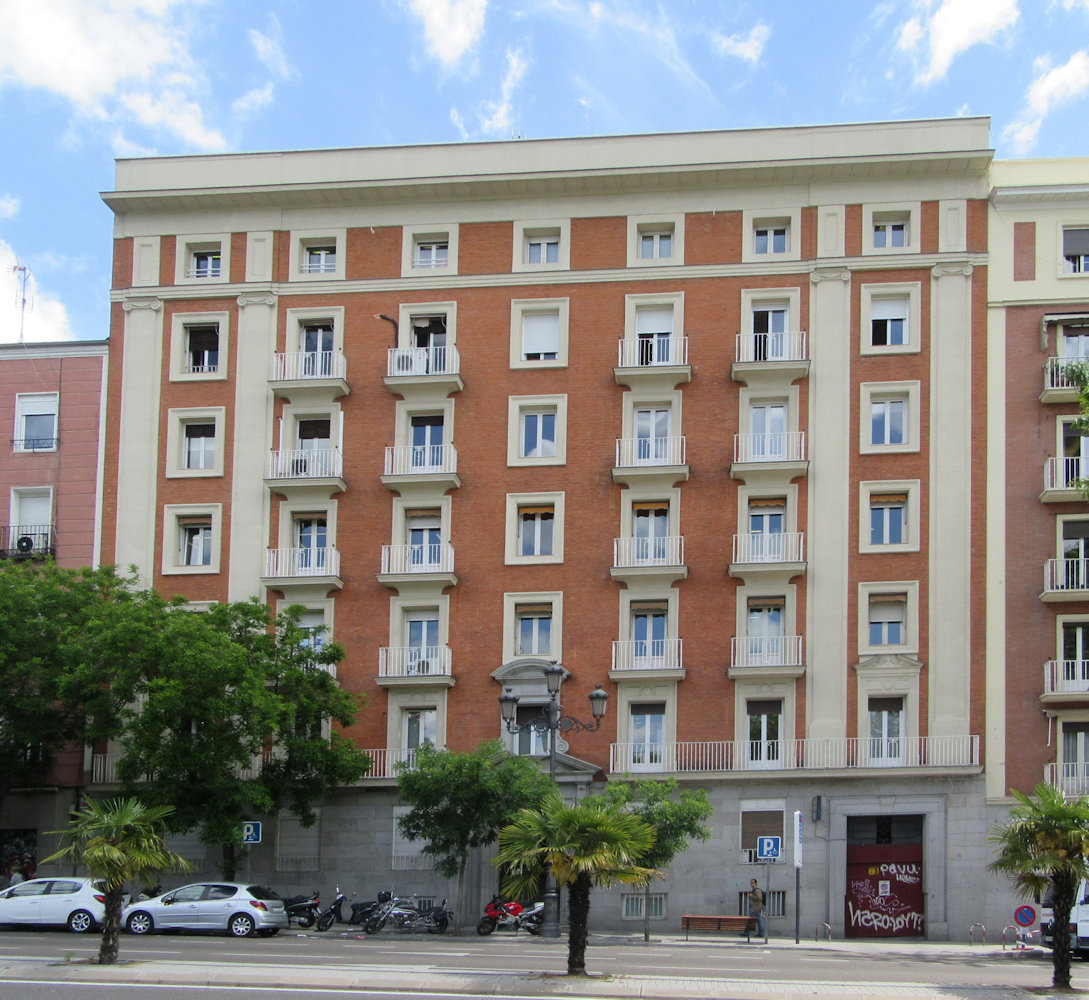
{"x": 552, "y": 721}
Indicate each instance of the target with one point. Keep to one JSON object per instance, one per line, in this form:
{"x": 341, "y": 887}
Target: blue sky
{"x": 84, "y": 81}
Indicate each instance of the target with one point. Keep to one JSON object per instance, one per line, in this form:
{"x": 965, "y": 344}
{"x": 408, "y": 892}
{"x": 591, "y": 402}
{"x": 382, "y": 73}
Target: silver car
{"x": 77, "y": 903}
{"x": 234, "y": 907}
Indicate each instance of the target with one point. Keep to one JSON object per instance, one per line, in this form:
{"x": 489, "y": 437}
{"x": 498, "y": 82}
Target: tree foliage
{"x": 674, "y": 819}
{"x": 1045, "y": 846}
{"x": 117, "y": 842}
{"x": 593, "y": 842}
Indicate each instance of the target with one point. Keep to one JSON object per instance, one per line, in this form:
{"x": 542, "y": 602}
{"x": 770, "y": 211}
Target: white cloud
{"x": 499, "y": 116}
{"x": 748, "y": 47}
{"x": 452, "y": 27}
{"x": 1053, "y": 86}
{"x": 9, "y": 206}
{"x": 459, "y": 124}
{"x": 44, "y": 318}
{"x": 123, "y": 62}
{"x": 254, "y": 100}
{"x": 269, "y": 49}
{"x": 945, "y": 28}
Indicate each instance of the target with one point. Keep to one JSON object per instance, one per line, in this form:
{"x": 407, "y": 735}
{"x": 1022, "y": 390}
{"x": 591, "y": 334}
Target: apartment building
{"x": 699, "y": 417}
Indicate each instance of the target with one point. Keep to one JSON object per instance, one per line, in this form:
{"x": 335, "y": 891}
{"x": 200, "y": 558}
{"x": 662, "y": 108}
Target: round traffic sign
{"x": 1025, "y": 916}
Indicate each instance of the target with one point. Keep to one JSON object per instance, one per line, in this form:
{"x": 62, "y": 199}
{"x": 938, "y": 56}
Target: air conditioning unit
{"x": 24, "y": 546}
{"x": 411, "y": 361}
{"x": 418, "y": 667}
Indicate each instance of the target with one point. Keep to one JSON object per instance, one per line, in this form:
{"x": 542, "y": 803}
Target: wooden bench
{"x": 735, "y": 922}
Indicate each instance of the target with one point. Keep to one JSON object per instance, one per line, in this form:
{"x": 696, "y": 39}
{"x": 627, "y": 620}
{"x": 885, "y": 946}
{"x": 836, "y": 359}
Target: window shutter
{"x": 888, "y": 308}
{"x": 658, "y": 319}
{"x": 1075, "y": 242}
{"x": 541, "y": 333}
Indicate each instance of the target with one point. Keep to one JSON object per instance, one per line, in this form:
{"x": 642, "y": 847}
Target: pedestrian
{"x": 756, "y": 907}
{"x": 14, "y": 875}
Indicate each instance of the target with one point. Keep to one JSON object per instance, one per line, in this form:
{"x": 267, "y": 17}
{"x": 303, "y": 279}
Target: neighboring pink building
{"x": 52, "y": 399}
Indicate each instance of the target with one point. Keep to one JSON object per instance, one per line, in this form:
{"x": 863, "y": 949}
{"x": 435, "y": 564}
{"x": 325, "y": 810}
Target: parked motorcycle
{"x": 510, "y": 916}
{"x": 304, "y": 910}
{"x": 378, "y": 917}
{"x": 359, "y": 915}
{"x": 407, "y": 916}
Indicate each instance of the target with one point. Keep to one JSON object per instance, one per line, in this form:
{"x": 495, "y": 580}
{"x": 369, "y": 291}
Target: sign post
{"x": 797, "y": 875}
{"x": 768, "y": 849}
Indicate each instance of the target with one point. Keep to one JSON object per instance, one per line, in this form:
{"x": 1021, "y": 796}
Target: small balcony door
{"x": 421, "y": 725}
{"x": 769, "y": 332}
{"x": 766, "y": 529}
{"x": 311, "y": 534}
{"x": 648, "y": 628}
{"x": 764, "y": 746}
{"x": 768, "y": 426}
{"x": 652, "y": 427}
{"x": 654, "y": 329}
{"x": 1075, "y": 766}
{"x": 1075, "y": 667}
{"x": 429, "y": 338}
{"x": 424, "y": 544}
{"x": 764, "y": 630}
{"x": 1076, "y": 554}
{"x": 313, "y": 436}
{"x": 647, "y": 729}
{"x": 422, "y": 633}
{"x": 316, "y": 341}
{"x": 886, "y": 731}
{"x": 650, "y": 526}
{"x": 427, "y": 441}
{"x": 1075, "y": 456}
{"x": 1074, "y": 344}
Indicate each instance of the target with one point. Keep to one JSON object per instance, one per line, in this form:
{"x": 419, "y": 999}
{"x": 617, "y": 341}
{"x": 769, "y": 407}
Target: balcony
{"x": 767, "y": 359}
{"x": 409, "y": 566}
{"x": 310, "y": 375}
{"x": 1066, "y": 580}
{"x": 35, "y": 444}
{"x": 384, "y": 761}
{"x": 1063, "y": 478}
{"x": 297, "y": 472}
{"x": 315, "y": 569}
{"x": 842, "y": 754}
{"x": 1064, "y": 679}
{"x": 414, "y": 665}
{"x": 644, "y": 460}
{"x": 766, "y": 656}
{"x": 769, "y": 458}
{"x": 653, "y": 362}
{"x": 27, "y": 541}
{"x": 768, "y": 555}
{"x": 660, "y": 557}
{"x": 104, "y": 768}
{"x": 421, "y": 468}
{"x": 1073, "y": 778}
{"x": 419, "y": 372}
{"x": 1058, "y": 388}
{"x": 633, "y": 657}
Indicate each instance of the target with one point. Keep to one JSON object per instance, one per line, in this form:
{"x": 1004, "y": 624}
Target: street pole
{"x": 550, "y": 924}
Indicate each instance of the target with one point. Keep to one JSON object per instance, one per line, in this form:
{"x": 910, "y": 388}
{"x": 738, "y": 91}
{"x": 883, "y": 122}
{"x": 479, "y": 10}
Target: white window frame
{"x": 1066, "y": 269}
{"x": 908, "y": 212}
{"x": 666, "y": 300}
{"x": 303, "y": 239}
{"x": 35, "y": 404}
{"x": 512, "y": 602}
{"x": 517, "y": 407}
{"x": 187, "y": 245}
{"x": 909, "y": 290}
{"x": 528, "y": 229}
{"x": 516, "y": 501}
{"x": 519, "y": 309}
{"x": 671, "y": 222}
{"x": 632, "y": 904}
{"x": 908, "y": 591}
{"x": 296, "y": 320}
{"x": 173, "y": 517}
{"x": 762, "y": 218}
{"x": 19, "y": 494}
{"x": 437, "y": 232}
{"x": 177, "y": 420}
{"x": 407, "y": 310}
{"x": 911, "y": 514}
{"x": 179, "y": 345}
{"x": 871, "y": 392}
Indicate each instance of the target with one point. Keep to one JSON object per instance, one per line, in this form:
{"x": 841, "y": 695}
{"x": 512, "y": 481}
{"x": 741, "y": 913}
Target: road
{"x": 54, "y": 964}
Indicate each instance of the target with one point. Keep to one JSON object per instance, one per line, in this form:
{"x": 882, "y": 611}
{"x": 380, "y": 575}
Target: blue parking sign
{"x": 251, "y": 832}
{"x": 768, "y": 848}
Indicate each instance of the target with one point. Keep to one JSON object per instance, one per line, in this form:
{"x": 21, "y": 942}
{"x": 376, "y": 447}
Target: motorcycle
{"x": 376, "y": 920}
{"x": 303, "y": 910}
{"x": 360, "y": 912}
{"x": 510, "y": 916}
{"x": 407, "y": 916}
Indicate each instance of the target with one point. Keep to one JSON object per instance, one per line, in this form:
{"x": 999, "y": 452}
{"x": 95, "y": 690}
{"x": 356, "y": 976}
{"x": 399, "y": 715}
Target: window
{"x": 632, "y": 905}
{"x": 887, "y": 518}
{"x": 30, "y": 532}
{"x": 763, "y": 643}
{"x": 654, "y": 332}
{"x": 312, "y": 624}
{"x": 889, "y": 235}
{"x": 538, "y": 333}
{"x": 889, "y": 322}
{"x": 891, "y": 228}
{"x": 541, "y": 336}
{"x": 890, "y": 318}
{"x": 646, "y": 730}
{"x": 649, "y": 627}
{"x": 543, "y": 248}
{"x": 757, "y": 822}
{"x": 890, "y": 417}
{"x": 655, "y": 244}
{"x": 765, "y": 541}
{"x": 194, "y": 439}
{"x": 320, "y": 259}
{"x": 768, "y": 433}
{"x": 655, "y": 240}
{"x": 533, "y": 630}
{"x": 529, "y": 742}
{"x": 538, "y": 434}
{"x": 1076, "y": 251}
{"x": 431, "y": 253}
{"x": 770, "y": 329}
{"x": 536, "y": 430}
{"x": 533, "y": 625}
{"x": 420, "y": 726}
{"x": 650, "y": 530}
{"x": 888, "y": 617}
{"x": 888, "y": 421}
{"x": 195, "y": 542}
{"x": 1074, "y": 343}
{"x": 36, "y": 422}
{"x": 312, "y": 543}
{"x": 886, "y": 620}
{"x": 200, "y": 446}
{"x": 886, "y": 730}
{"x": 204, "y": 264}
{"x": 892, "y": 524}
{"x": 771, "y": 236}
{"x": 652, "y": 436}
{"x": 422, "y": 653}
{"x": 427, "y": 442}
{"x": 535, "y": 530}
{"x": 763, "y": 746}
{"x": 317, "y": 254}
{"x": 201, "y": 349}
{"x": 198, "y": 346}
{"x": 424, "y": 538}
{"x": 429, "y": 249}
{"x": 203, "y": 259}
{"x": 542, "y": 245}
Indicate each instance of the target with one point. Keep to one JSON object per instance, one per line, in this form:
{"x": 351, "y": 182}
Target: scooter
{"x": 407, "y": 916}
{"x": 361, "y": 912}
{"x": 510, "y": 916}
{"x": 303, "y": 910}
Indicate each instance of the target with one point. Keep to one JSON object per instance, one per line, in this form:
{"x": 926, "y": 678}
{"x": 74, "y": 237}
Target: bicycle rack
{"x": 972, "y": 931}
{"x": 827, "y": 932}
{"x": 1018, "y": 936}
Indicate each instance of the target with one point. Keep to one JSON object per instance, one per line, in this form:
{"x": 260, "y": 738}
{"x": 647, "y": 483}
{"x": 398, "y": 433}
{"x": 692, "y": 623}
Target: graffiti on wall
{"x": 885, "y": 899}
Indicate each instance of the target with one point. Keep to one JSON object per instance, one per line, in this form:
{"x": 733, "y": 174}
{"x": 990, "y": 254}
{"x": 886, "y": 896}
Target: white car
{"x": 78, "y": 903}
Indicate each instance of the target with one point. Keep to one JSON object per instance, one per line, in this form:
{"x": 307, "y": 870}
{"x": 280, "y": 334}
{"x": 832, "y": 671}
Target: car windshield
{"x": 261, "y": 892}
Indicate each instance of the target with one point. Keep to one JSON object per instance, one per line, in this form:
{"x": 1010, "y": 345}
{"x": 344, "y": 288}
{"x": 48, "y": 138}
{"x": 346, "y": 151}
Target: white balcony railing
{"x": 1066, "y": 574}
{"x": 635, "y": 452}
{"x": 766, "y": 651}
{"x": 785, "y": 446}
{"x": 770, "y": 347}
{"x": 423, "y": 361}
{"x": 795, "y": 755}
{"x": 1065, "y": 473}
{"x": 647, "y": 654}
{"x": 1055, "y": 376}
{"x": 302, "y": 365}
{"x": 384, "y": 761}
{"x": 420, "y": 460}
{"x": 662, "y": 551}
{"x": 305, "y": 463}
{"x": 1073, "y": 779}
{"x": 651, "y": 351}
{"x": 769, "y": 547}
{"x": 1066, "y": 677}
{"x": 413, "y": 661}
{"x": 436, "y": 558}
{"x": 104, "y": 768}
{"x": 309, "y": 561}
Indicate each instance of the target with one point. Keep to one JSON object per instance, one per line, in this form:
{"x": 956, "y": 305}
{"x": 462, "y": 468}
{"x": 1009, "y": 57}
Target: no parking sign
{"x": 1025, "y": 916}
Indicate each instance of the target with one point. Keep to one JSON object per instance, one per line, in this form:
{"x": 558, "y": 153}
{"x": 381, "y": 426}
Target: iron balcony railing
{"x": 648, "y": 352}
{"x": 769, "y": 547}
{"x": 782, "y": 446}
{"x": 435, "y": 557}
{"x": 648, "y": 654}
{"x": 797, "y": 755}
{"x": 421, "y": 460}
{"x": 1066, "y": 574}
{"x": 305, "y": 463}
{"x": 414, "y": 661}
{"x": 666, "y": 550}
{"x": 638, "y": 451}
{"x": 1066, "y": 677}
{"x": 1072, "y": 778}
{"x": 27, "y": 541}
{"x": 308, "y": 561}
{"x": 1055, "y": 373}
{"x": 303, "y": 365}
{"x": 423, "y": 361}
{"x": 1065, "y": 473}
{"x": 35, "y": 444}
{"x": 761, "y": 347}
{"x": 766, "y": 651}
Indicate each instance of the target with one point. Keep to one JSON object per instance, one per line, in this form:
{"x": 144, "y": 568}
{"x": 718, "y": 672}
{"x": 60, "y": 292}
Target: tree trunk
{"x": 111, "y": 927}
{"x": 230, "y": 862}
{"x": 457, "y": 902}
{"x": 578, "y": 921}
{"x": 646, "y": 912}
{"x": 1064, "y": 888}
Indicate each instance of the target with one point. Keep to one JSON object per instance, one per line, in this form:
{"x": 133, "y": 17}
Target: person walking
{"x": 756, "y": 907}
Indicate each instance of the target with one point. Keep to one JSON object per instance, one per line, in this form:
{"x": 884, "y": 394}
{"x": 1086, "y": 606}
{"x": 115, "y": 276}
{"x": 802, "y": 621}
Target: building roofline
{"x": 55, "y": 349}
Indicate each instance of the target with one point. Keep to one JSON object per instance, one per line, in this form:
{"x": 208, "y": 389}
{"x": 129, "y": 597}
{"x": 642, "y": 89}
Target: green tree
{"x": 117, "y": 841}
{"x": 674, "y": 819}
{"x": 460, "y": 801}
{"x": 231, "y": 717}
{"x": 593, "y": 842}
{"x": 1044, "y": 846}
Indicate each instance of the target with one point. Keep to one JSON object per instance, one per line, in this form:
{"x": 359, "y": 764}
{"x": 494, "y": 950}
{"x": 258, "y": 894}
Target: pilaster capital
{"x": 256, "y": 299}
{"x": 832, "y": 274}
{"x": 941, "y": 270}
{"x": 153, "y": 304}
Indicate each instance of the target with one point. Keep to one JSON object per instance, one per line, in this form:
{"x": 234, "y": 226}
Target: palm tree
{"x": 594, "y": 842}
{"x": 1045, "y": 846}
{"x": 118, "y": 841}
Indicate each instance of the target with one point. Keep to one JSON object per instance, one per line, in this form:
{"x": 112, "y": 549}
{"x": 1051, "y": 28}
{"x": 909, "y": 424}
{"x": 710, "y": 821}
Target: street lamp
{"x": 551, "y": 721}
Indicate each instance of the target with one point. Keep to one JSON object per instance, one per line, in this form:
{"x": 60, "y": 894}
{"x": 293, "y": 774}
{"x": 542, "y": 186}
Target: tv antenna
{"x": 24, "y": 273}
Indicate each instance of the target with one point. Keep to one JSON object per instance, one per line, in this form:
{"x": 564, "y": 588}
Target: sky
{"x": 85, "y": 81}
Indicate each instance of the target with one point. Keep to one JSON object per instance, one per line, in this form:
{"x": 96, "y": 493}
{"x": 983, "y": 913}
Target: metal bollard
{"x": 972, "y": 931}
{"x": 827, "y": 931}
{"x": 1018, "y": 940}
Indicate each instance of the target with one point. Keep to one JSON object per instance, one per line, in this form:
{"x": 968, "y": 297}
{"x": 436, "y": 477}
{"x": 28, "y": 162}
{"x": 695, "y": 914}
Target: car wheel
{"x": 268, "y": 932}
{"x": 325, "y": 921}
{"x": 240, "y": 925}
{"x": 140, "y": 922}
{"x": 80, "y": 922}
{"x": 485, "y": 927}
